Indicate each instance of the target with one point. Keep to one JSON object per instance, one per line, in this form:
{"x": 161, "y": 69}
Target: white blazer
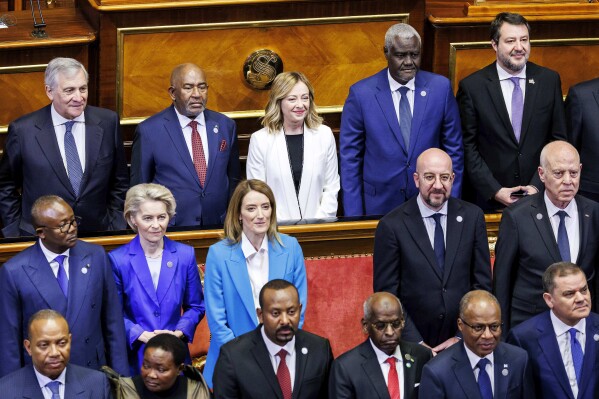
{"x": 268, "y": 161}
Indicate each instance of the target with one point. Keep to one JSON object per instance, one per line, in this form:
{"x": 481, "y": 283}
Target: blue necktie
{"x": 562, "y": 237}
{"x": 54, "y": 388}
{"x": 439, "y": 241}
{"x": 484, "y": 382}
{"x": 61, "y": 276}
{"x": 517, "y": 107}
{"x": 405, "y": 116}
{"x": 73, "y": 162}
{"x": 577, "y": 354}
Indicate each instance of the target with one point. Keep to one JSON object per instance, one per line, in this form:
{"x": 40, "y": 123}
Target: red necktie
{"x": 199, "y": 159}
{"x": 392, "y": 379}
{"x": 283, "y": 375}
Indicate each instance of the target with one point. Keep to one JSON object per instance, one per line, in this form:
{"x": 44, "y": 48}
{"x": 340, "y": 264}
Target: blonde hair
{"x": 141, "y": 193}
{"x": 233, "y": 227}
{"x": 281, "y": 87}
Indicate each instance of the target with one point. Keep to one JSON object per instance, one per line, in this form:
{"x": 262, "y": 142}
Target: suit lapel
{"x": 238, "y": 272}
{"x": 73, "y": 388}
{"x": 455, "y": 225}
{"x": 553, "y": 358}
{"x": 496, "y": 94}
{"x": 168, "y": 269}
{"x": 584, "y": 225}
{"x": 301, "y": 361}
{"x": 32, "y": 390}
{"x": 539, "y": 216}
{"x": 171, "y": 124}
{"x": 464, "y": 374}
{"x": 41, "y": 276}
{"x": 140, "y": 268}
{"x": 501, "y": 377}
{"x": 277, "y": 260}
{"x": 421, "y": 96}
{"x": 214, "y": 137}
{"x": 93, "y": 140}
{"x": 409, "y": 369}
{"x": 530, "y": 98}
{"x": 311, "y": 150}
{"x": 78, "y": 282}
{"x": 415, "y": 226}
{"x": 372, "y": 370}
{"x": 385, "y": 101}
{"x": 590, "y": 361}
{"x": 280, "y": 147}
{"x": 262, "y": 358}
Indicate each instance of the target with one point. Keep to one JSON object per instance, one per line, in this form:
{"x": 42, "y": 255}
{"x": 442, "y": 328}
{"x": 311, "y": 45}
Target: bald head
{"x": 433, "y": 156}
{"x": 189, "y": 90}
{"x": 560, "y": 172}
{"x": 383, "y": 321}
{"x": 434, "y": 177}
{"x": 384, "y": 300}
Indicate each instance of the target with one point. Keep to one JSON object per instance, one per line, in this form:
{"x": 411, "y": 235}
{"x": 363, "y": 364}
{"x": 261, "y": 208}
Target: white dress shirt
{"x": 50, "y": 256}
{"x": 275, "y": 359}
{"x": 507, "y": 87}
{"x": 257, "y": 264}
{"x": 78, "y": 131}
{"x": 382, "y": 357}
{"x": 474, "y": 359}
{"x": 184, "y": 123}
{"x": 571, "y": 221}
{"x": 562, "y": 334}
{"x": 396, "y": 95}
{"x": 155, "y": 264}
{"x": 429, "y": 222}
{"x": 43, "y": 381}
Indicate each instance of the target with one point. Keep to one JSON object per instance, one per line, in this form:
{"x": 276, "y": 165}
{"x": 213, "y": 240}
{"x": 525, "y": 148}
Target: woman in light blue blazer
{"x": 157, "y": 279}
{"x": 251, "y": 254}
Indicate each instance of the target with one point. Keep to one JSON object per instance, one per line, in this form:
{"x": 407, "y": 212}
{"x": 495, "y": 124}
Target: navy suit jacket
{"x": 179, "y": 289}
{"x": 80, "y": 383}
{"x": 526, "y": 246}
{"x": 537, "y": 337}
{"x": 357, "y": 373}
{"x": 450, "y": 376}
{"x": 93, "y": 310}
{"x": 405, "y": 265}
{"x": 244, "y": 370}
{"x": 32, "y": 163}
{"x": 376, "y": 166}
{"x": 160, "y": 155}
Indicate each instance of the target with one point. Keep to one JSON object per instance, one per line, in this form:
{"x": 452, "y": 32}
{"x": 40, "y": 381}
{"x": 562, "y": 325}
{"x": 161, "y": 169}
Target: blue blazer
{"x": 449, "y": 375}
{"x": 92, "y": 310}
{"x": 537, "y": 337}
{"x": 80, "y": 383}
{"x": 229, "y": 302}
{"x": 376, "y": 166}
{"x": 160, "y": 155}
{"x": 149, "y": 309}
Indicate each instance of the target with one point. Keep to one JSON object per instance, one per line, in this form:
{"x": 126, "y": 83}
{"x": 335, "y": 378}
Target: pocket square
{"x": 223, "y": 145}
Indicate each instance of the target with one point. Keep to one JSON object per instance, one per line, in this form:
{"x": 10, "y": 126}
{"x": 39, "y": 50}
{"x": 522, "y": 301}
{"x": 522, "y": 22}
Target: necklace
{"x": 158, "y": 255}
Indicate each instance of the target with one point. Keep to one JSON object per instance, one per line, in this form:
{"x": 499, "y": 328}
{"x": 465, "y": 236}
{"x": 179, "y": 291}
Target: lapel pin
{"x": 596, "y": 337}
{"x": 215, "y": 130}
{"x": 304, "y": 350}
{"x": 459, "y": 219}
{"x": 531, "y": 81}
{"x": 423, "y": 93}
{"x": 539, "y": 216}
{"x": 84, "y": 270}
{"x": 409, "y": 358}
{"x": 504, "y": 372}
{"x": 408, "y": 365}
{"x": 586, "y": 215}
{"x": 169, "y": 264}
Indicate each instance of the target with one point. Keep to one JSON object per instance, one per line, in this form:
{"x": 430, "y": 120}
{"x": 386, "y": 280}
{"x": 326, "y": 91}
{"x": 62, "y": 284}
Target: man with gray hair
{"x": 67, "y": 149}
{"x": 383, "y": 365}
{"x": 388, "y": 120}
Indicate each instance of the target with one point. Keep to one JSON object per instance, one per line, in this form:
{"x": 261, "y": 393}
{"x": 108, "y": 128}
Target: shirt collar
{"x": 184, "y": 120}
{"x": 273, "y": 348}
{"x": 43, "y": 380}
{"x": 58, "y": 119}
{"x": 571, "y": 209}
{"x": 395, "y": 85}
{"x": 474, "y": 358}
{"x": 50, "y": 256}
{"x": 248, "y": 249}
{"x": 382, "y": 356}
{"x": 503, "y": 75}
{"x": 426, "y": 212}
{"x": 561, "y": 328}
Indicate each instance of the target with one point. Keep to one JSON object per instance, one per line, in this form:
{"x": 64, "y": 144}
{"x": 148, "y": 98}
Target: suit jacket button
{"x": 89, "y": 363}
{"x": 156, "y": 314}
{"x": 441, "y": 316}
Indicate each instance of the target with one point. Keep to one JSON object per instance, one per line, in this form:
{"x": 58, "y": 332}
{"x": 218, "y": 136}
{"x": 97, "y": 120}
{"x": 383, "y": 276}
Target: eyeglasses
{"x": 382, "y": 326}
{"x": 66, "y": 226}
{"x": 481, "y": 328}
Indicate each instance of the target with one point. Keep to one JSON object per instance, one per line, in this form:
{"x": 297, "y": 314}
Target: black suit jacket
{"x": 582, "y": 115}
{"x": 357, "y": 374}
{"x": 31, "y": 166}
{"x": 527, "y": 246}
{"x": 494, "y": 159}
{"x": 405, "y": 265}
{"x": 244, "y": 370}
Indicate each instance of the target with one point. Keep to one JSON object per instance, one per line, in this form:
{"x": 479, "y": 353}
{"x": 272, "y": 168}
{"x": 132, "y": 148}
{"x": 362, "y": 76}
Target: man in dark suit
{"x": 190, "y": 150}
{"x": 50, "y": 375}
{"x": 582, "y": 116}
{"x": 542, "y": 229}
{"x": 415, "y": 254}
{"x": 562, "y": 343}
{"x": 383, "y": 365}
{"x": 276, "y": 360}
{"x": 70, "y": 276}
{"x": 481, "y": 367}
{"x": 505, "y": 125}
{"x": 378, "y": 146}
{"x": 64, "y": 149}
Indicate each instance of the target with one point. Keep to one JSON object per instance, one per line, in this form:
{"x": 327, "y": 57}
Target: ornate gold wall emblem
{"x": 261, "y": 68}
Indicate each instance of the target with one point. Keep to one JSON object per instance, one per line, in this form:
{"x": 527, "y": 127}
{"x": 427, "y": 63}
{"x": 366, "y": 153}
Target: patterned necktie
{"x": 73, "y": 162}
{"x": 54, "y": 387}
{"x": 484, "y": 382}
{"x": 577, "y": 354}
{"x": 199, "y": 159}
{"x": 405, "y": 116}
{"x": 439, "y": 241}
{"x": 517, "y": 107}
{"x": 562, "y": 237}
{"x": 392, "y": 379}
{"x": 283, "y": 375}
{"x": 61, "y": 276}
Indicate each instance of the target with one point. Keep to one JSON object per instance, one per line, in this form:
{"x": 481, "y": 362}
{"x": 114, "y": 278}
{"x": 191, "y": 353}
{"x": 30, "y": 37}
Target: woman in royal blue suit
{"x": 251, "y": 254}
{"x": 157, "y": 279}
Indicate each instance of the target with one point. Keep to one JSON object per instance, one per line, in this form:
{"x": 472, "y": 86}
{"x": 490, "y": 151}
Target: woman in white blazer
{"x": 295, "y": 154}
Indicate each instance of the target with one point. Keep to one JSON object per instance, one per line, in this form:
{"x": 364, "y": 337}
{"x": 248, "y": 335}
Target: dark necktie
{"x": 562, "y": 237}
{"x": 439, "y": 242}
{"x": 484, "y": 382}
{"x": 73, "y": 162}
{"x": 392, "y": 379}
{"x": 199, "y": 159}
{"x": 517, "y": 107}
{"x": 54, "y": 387}
{"x": 577, "y": 354}
{"x": 61, "y": 276}
{"x": 283, "y": 375}
{"x": 405, "y": 116}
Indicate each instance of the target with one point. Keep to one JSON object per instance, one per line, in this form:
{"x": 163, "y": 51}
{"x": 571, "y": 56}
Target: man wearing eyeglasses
{"x": 430, "y": 251}
{"x": 563, "y": 342}
{"x": 190, "y": 150}
{"x": 72, "y": 277}
{"x": 481, "y": 366}
{"x": 384, "y": 366}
